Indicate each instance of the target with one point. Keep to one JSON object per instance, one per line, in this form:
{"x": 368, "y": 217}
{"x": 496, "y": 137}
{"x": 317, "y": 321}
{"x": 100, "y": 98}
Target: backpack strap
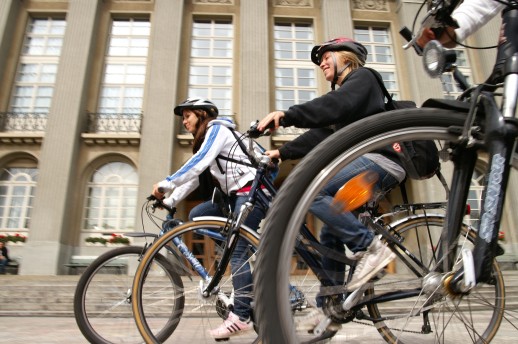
{"x": 243, "y": 148}
{"x": 381, "y": 84}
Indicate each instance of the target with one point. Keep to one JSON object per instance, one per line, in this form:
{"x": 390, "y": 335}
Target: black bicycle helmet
{"x": 338, "y": 44}
{"x": 197, "y": 103}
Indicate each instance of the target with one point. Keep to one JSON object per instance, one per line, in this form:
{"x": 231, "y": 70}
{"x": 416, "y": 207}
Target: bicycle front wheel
{"x": 433, "y": 315}
{"x": 291, "y": 205}
{"x": 207, "y": 241}
{"x": 103, "y": 297}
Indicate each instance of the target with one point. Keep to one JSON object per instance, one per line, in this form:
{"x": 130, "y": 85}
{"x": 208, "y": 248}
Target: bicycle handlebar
{"x": 159, "y": 203}
{"x": 437, "y": 18}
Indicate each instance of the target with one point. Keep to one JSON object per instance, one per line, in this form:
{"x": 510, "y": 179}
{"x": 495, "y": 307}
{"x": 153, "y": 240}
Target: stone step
{"x": 53, "y": 295}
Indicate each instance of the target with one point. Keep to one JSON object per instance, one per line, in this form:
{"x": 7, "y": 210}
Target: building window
{"x": 36, "y": 75}
{"x": 111, "y": 199}
{"x": 379, "y": 45}
{"x": 451, "y": 88}
{"x": 295, "y": 74}
{"x": 17, "y": 187}
{"x": 122, "y": 90}
{"x": 295, "y": 77}
{"x": 210, "y": 69}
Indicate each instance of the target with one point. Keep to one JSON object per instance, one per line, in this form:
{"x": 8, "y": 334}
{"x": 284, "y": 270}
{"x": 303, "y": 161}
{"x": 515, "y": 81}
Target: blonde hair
{"x": 345, "y": 56}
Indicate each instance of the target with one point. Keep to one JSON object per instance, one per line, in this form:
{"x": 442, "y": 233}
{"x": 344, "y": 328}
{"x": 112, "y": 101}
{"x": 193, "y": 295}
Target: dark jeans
{"x": 3, "y": 264}
{"x": 241, "y": 274}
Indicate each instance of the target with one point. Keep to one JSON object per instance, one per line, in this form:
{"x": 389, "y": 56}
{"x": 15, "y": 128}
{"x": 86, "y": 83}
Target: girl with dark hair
{"x": 214, "y": 139}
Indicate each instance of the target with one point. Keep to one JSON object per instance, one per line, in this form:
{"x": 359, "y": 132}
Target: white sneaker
{"x": 232, "y": 326}
{"x": 375, "y": 259}
{"x": 309, "y": 321}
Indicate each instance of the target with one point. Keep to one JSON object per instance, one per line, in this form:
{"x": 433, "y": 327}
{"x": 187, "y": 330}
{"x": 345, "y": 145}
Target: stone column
{"x": 254, "y": 65}
{"x": 337, "y": 19}
{"x": 158, "y": 132}
{"x": 47, "y": 247}
{"x": 8, "y": 15}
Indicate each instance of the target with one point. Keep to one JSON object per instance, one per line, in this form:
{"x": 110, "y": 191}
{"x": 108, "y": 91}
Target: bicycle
{"x": 102, "y": 299}
{"x": 449, "y": 277}
{"x": 211, "y": 282}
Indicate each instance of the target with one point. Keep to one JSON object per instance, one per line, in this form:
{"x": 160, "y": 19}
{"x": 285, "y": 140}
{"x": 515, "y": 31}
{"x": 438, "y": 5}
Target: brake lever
{"x": 254, "y": 133}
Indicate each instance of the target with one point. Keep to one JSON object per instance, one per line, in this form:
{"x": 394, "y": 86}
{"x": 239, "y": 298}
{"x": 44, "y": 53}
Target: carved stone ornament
{"x": 371, "y": 5}
{"x": 294, "y": 3}
{"x": 217, "y": 2}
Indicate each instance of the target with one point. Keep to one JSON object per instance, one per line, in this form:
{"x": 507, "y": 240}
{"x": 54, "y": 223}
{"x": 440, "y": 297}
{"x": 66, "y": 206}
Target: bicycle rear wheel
{"x": 434, "y": 315}
{"x": 102, "y": 300}
{"x": 208, "y": 241}
{"x": 291, "y": 205}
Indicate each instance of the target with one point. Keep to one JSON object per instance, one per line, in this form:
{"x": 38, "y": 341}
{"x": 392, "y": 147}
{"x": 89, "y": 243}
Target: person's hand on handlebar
{"x": 273, "y": 154}
{"x": 158, "y": 192}
{"x": 274, "y": 117}
{"x": 447, "y": 38}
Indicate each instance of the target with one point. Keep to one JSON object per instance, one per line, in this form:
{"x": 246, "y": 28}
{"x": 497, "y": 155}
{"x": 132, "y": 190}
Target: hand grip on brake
{"x": 254, "y": 133}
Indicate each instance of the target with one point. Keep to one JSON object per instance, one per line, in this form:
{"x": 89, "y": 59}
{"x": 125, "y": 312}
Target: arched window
{"x": 111, "y": 199}
{"x": 17, "y": 187}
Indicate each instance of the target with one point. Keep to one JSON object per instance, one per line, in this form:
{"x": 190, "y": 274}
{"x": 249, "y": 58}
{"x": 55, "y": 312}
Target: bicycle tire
{"x": 203, "y": 313}
{"x": 299, "y": 189}
{"x": 102, "y": 299}
{"x": 421, "y": 235}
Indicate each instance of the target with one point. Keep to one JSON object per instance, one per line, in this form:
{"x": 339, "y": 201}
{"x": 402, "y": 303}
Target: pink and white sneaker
{"x": 232, "y": 326}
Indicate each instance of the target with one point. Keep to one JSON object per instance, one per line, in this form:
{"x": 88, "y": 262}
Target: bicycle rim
{"x": 435, "y": 315}
{"x": 102, "y": 301}
{"x": 200, "y": 314}
{"x": 291, "y": 204}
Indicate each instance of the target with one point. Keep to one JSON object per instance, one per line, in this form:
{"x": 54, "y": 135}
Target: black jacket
{"x": 5, "y": 252}
{"x": 359, "y": 96}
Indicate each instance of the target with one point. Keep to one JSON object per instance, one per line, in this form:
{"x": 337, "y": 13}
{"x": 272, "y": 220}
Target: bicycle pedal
{"x": 354, "y": 298}
{"x": 322, "y": 326}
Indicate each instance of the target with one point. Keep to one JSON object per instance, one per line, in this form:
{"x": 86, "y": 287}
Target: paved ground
{"x": 52, "y": 330}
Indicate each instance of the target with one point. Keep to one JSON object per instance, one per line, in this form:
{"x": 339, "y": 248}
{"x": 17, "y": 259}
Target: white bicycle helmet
{"x": 197, "y": 103}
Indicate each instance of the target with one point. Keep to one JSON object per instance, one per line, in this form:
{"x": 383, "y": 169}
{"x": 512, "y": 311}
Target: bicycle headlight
{"x": 434, "y": 59}
{"x": 437, "y": 60}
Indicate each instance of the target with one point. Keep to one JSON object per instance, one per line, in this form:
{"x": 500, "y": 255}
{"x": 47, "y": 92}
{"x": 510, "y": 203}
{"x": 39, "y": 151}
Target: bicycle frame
{"x": 500, "y": 134}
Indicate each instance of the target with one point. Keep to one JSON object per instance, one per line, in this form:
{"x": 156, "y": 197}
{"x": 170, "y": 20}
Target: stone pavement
{"x": 58, "y": 326}
{"x": 63, "y": 330}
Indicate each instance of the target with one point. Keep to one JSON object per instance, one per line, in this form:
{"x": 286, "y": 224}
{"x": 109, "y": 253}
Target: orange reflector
{"x": 356, "y": 192}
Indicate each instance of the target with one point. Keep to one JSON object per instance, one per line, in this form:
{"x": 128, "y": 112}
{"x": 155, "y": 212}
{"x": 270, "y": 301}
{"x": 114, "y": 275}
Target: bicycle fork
{"x": 501, "y": 134}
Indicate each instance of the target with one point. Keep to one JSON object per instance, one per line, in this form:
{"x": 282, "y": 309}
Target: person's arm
{"x": 359, "y": 96}
{"x": 470, "y": 16}
{"x": 181, "y": 192}
{"x": 208, "y": 152}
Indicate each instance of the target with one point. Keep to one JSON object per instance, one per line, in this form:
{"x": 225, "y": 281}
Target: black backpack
{"x": 419, "y": 158}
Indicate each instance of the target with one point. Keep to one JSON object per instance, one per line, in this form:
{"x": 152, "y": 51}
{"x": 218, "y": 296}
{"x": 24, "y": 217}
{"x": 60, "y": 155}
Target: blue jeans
{"x": 344, "y": 227}
{"x": 241, "y": 274}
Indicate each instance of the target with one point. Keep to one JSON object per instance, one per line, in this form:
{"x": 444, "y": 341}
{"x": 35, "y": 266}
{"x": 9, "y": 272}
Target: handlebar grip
{"x": 408, "y": 36}
{"x": 406, "y": 33}
{"x": 254, "y": 133}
